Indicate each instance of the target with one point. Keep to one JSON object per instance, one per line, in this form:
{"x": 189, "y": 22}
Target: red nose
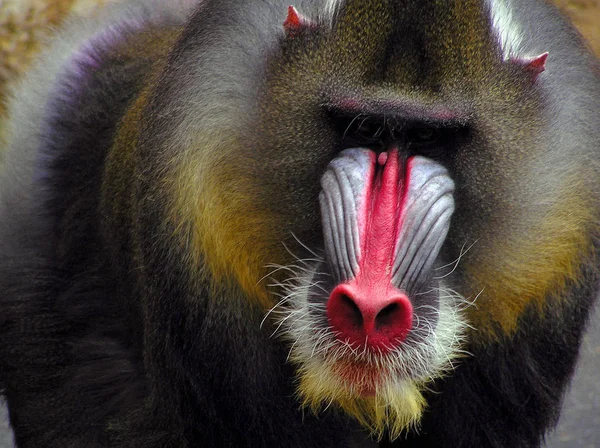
{"x": 378, "y": 321}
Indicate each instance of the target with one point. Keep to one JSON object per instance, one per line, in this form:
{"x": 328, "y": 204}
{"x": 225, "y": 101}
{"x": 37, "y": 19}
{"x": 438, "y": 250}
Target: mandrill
{"x": 340, "y": 223}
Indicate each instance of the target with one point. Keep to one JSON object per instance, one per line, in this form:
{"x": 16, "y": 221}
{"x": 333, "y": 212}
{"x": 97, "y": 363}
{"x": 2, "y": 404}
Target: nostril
{"x": 351, "y": 311}
{"x": 345, "y": 315}
{"x": 388, "y": 316}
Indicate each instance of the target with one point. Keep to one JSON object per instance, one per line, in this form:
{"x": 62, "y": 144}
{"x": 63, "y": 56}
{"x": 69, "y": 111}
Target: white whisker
{"x": 455, "y": 262}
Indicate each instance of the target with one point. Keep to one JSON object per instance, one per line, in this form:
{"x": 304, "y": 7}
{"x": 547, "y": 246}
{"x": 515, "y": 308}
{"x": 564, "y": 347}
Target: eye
{"x": 422, "y": 135}
{"x": 432, "y": 141}
{"x": 360, "y": 130}
{"x": 366, "y": 128}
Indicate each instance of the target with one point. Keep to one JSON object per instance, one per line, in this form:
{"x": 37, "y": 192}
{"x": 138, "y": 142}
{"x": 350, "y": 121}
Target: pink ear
{"x": 295, "y": 22}
{"x": 532, "y": 65}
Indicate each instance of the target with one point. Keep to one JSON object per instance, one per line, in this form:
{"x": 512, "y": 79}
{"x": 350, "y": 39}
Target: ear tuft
{"x": 533, "y": 66}
{"x": 295, "y": 22}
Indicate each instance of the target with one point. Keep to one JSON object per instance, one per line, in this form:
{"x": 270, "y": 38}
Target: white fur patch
{"x": 331, "y": 7}
{"x": 507, "y": 29}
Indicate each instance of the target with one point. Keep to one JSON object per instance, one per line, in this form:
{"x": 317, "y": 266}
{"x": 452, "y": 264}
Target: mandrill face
{"x": 362, "y": 184}
{"x": 379, "y": 163}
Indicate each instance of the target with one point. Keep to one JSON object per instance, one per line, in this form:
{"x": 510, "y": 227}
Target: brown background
{"x": 585, "y": 14}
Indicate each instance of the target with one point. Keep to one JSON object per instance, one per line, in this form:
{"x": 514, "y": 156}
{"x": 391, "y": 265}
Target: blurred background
{"x": 25, "y": 23}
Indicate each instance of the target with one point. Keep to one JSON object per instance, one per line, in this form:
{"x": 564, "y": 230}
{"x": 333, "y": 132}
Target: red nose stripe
{"x": 368, "y": 309}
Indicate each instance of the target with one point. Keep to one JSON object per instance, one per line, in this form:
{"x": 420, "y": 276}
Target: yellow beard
{"x": 396, "y": 405}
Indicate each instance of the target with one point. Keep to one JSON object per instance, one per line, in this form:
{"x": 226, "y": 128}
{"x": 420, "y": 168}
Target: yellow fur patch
{"x": 396, "y": 406}
{"x": 537, "y": 263}
{"x": 228, "y": 235}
